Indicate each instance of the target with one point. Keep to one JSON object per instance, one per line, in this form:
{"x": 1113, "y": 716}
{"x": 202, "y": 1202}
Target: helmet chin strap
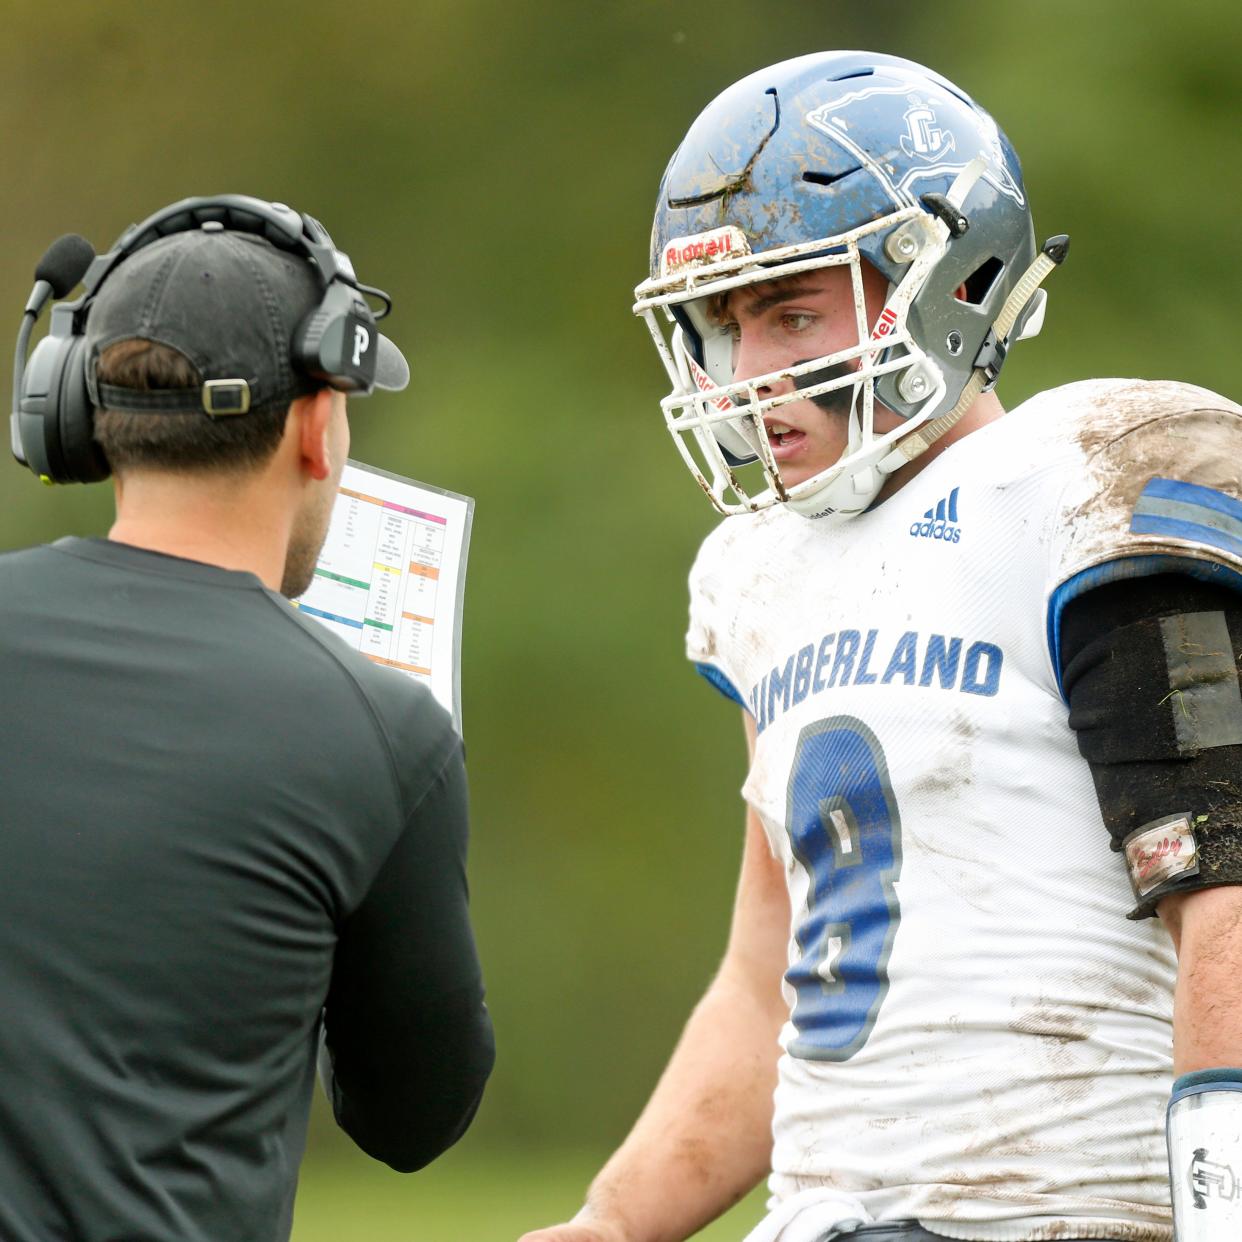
{"x": 839, "y": 499}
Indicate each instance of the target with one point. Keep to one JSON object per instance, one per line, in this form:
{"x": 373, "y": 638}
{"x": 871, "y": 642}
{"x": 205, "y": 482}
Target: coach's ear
{"x": 310, "y": 421}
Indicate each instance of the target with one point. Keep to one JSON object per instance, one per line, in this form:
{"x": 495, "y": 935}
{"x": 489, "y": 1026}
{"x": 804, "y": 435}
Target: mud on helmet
{"x": 830, "y": 160}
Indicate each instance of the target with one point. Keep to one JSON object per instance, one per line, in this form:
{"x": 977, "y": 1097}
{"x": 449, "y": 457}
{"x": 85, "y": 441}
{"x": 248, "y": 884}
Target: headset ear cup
{"x": 337, "y": 341}
{"x": 83, "y": 460}
{"x": 38, "y": 416}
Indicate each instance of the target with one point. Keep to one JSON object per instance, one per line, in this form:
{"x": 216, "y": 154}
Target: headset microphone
{"x": 60, "y": 269}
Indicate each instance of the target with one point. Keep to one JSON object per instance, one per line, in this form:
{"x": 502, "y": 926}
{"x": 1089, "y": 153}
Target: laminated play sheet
{"x": 391, "y": 576}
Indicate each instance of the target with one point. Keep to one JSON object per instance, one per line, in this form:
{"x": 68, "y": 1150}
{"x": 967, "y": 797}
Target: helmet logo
{"x": 906, "y": 117}
{"x": 923, "y": 138}
{"x": 703, "y": 248}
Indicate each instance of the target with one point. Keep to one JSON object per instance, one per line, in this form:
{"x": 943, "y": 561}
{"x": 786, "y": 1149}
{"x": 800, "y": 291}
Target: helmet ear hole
{"x": 976, "y": 287}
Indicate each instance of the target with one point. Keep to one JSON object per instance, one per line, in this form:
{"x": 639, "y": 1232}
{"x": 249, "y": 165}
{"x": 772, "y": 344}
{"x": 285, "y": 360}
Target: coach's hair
{"x": 186, "y": 442}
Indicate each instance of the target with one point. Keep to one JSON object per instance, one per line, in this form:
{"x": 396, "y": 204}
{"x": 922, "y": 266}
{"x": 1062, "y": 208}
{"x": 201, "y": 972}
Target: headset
{"x": 52, "y": 422}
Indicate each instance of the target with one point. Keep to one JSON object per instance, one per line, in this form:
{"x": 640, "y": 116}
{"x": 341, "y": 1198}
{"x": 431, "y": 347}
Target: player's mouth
{"x": 784, "y": 440}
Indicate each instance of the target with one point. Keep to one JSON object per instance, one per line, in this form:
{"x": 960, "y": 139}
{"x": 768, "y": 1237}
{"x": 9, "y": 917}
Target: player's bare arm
{"x": 705, "y": 1137}
{"x": 1206, "y": 1106}
{"x": 1206, "y": 927}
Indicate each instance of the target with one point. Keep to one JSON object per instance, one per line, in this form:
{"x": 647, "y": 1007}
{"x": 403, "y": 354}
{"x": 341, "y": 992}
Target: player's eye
{"x": 796, "y": 321}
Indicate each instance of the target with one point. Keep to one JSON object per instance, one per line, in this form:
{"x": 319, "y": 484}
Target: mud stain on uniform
{"x": 1060, "y": 1039}
{"x": 1139, "y": 431}
{"x": 1121, "y": 992}
{"x": 1060, "y": 1025}
{"x": 954, "y": 772}
{"x": 1115, "y": 1231}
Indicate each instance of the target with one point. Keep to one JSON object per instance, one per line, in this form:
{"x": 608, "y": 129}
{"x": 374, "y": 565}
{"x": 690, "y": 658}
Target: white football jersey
{"x": 979, "y": 1038}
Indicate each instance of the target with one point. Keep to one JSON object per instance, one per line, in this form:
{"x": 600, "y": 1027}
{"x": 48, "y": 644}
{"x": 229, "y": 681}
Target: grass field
{"x": 466, "y": 1198}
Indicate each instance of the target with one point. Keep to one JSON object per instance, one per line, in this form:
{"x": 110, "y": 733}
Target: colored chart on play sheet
{"x": 391, "y": 574}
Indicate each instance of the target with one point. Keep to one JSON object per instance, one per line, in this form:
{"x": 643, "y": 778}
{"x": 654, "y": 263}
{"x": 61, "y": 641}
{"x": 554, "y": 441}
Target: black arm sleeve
{"x": 1150, "y": 669}
{"x": 406, "y": 1032}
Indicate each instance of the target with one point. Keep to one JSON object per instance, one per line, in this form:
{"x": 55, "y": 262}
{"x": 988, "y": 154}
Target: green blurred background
{"x": 494, "y": 165}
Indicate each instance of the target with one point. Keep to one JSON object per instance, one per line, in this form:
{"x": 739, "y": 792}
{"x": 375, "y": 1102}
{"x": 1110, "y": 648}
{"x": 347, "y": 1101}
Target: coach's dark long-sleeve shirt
{"x": 221, "y": 831}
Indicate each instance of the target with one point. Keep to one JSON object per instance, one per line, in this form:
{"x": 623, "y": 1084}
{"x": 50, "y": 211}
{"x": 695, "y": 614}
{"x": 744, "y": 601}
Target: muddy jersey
{"x": 978, "y": 1036}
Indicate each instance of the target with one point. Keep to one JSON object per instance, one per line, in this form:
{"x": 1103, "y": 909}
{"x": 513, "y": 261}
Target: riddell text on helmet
{"x": 675, "y": 256}
{"x": 705, "y": 383}
{"x": 703, "y": 247}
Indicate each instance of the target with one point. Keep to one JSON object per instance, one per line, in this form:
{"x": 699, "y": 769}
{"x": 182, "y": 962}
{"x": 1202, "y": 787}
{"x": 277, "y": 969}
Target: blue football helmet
{"x": 834, "y": 159}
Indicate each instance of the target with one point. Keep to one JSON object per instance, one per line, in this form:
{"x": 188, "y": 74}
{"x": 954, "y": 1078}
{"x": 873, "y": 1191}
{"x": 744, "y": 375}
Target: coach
{"x": 225, "y": 839}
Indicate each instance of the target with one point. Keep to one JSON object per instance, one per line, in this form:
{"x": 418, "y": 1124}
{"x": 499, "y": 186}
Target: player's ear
{"x": 309, "y": 420}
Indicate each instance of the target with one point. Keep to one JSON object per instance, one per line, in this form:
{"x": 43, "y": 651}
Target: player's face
{"x": 780, "y": 323}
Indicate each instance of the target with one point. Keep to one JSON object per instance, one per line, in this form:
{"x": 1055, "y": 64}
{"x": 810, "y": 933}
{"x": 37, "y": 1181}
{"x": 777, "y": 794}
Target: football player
{"x": 987, "y": 932}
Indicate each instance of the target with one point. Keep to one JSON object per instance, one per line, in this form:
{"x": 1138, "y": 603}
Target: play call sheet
{"x": 391, "y": 574}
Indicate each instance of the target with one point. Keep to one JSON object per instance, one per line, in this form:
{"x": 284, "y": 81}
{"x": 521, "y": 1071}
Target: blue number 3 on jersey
{"x": 845, "y": 831}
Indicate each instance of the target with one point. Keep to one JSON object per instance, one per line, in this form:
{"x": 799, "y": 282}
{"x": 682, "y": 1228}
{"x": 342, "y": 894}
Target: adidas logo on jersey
{"x": 940, "y": 522}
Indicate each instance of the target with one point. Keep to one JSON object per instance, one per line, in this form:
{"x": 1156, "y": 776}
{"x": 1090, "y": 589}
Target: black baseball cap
{"x": 232, "y": 303}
